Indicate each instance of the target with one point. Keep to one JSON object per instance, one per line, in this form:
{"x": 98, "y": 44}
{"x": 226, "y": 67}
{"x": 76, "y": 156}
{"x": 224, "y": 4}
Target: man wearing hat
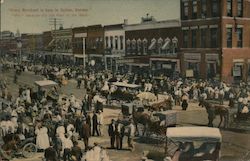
{"x": 85, "y": 134}
{"x": 111, "y": 131}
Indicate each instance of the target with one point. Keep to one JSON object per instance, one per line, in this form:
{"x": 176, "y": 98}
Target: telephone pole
{"x": 55, "y": 22}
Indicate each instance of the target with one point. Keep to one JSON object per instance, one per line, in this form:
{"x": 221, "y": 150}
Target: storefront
{"x": 192, "y": 64}
{"x": 212, "y": 61}
{"x": 164, "y": 66}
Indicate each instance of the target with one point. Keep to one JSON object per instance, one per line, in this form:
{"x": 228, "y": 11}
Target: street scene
{"x": 170, "y": 83}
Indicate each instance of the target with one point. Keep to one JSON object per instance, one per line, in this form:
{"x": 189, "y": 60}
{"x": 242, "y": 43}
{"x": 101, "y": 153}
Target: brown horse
{"x": 141, "y": 118}
{"x": 213, "y": 110}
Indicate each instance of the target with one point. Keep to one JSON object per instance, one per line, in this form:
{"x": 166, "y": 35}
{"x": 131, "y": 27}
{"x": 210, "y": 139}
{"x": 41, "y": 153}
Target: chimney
{"x": 125, "y": 22}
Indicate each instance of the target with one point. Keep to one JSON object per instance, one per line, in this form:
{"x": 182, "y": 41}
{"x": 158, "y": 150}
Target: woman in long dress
{"x": 42, "y": 138}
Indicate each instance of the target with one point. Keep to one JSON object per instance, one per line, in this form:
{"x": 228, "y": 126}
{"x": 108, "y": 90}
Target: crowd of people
{"x": 58, "y": 125}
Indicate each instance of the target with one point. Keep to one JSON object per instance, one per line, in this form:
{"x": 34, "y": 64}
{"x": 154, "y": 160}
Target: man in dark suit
{"x": 95, "y": 125}
{"x": 85, "y": 134}
{"x": 111, "y": 131}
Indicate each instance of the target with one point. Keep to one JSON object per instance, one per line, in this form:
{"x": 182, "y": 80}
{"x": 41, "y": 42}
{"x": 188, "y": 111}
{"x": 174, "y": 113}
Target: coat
{"x": 85, "y": 131}
{"x": 111, "y": 130}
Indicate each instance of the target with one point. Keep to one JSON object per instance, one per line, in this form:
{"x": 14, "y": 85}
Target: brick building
{"x": 153, "y": 45}
{"x": 79, "y": 44}
{"x": 95, "y": 46}
{"x": 213, "y": 43}
{"x": 114, "y": 45}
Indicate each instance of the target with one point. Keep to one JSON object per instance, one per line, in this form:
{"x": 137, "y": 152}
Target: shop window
{"x": 194, "y": 9}
{"x": 203, "y": 34}
{"x": 214, "y": 37}
{"x": 185, "y": 38}
{"x": 240, "y": 8}
{"x": 229, "y": 8}
{"x": 194, "y": 38}
{"x": 239, "y": 37}
{"x": 203, "y": 8}
{"x": 229, "y": 37}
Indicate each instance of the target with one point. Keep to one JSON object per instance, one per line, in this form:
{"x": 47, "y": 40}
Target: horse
{"x": 141, "y": 118}
{"x": 213, "y": 110}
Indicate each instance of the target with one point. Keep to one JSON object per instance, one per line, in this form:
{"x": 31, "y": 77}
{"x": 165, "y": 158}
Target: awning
{"x": 152, "y": 45}
{"x": 139, "y": 65}
{"x": 164, "y": 47}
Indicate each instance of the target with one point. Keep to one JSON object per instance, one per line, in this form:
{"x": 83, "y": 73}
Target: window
{"x": 111, "y": 42}
{"x": 214, "y": 37}
{"x": 194, "y": 9}
{"x": 128, "y": 46}
{"x": 159, "y": 45}
{"x": 239, "y": 37}
{"x": 229, "y": 8}
{"x": 145, "y": 46}
{"x": 185, "y": 38}
{"x": 107, "y": 41}
{"x": 139, "y": 46}
{"x": 194, "y": 35}
{"x": 134, "y": 46}
{"x": 121, "y": 42}
{"x": 215, "y": 8}
{"x": 240, "y": 8}
{"x": 116, "y": 42}
{"x": 203, "y": 8}
{"x": 185, "y": 10}
{"x": 229, "y": 37}
{"x": 203, "y": 34}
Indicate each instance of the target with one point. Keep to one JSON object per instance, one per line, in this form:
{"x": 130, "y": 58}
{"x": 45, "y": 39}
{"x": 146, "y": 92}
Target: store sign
{"x": 189, "y": 73}
{"x": 236, "y": 71}
{"x": 166, "y": 66}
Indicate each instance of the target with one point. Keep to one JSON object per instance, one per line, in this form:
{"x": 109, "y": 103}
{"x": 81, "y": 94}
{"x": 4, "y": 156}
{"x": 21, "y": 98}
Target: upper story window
{"x": 194, "y": 9}
{"x": 159, "y": 45}
{"x": 239, "y": 37}
{"x": 229, "y": 37}
{"x": 203, "y": 35}
{"x": 128, "y": 46}
{"x": 116, "y": 42}
{"x": 214, "y": 37}
{"x": 111, "y": 42}
{"x": 145, "y": 46}
{"x": 133, "y": 45}
{"x": 139, "y": 46}
{"x": 229, "y": 8}
{"x": 185, "y": 10}
{"x": 240, "y": 8}
{"x": 203, "y": 8}
{"x": 194, "y": 38}
{"x": 185, "y": 38}
{"x": 121, "y": 43}
{"x": 215, "y": 8}
{"x": 107, "y": 41}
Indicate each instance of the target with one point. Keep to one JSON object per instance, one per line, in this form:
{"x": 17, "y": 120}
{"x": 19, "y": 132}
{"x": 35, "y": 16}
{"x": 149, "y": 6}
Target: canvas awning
{"x": 152, "y": 45}
{"x": 164, "y": 47}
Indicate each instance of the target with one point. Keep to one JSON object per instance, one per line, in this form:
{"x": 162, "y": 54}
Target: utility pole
{"x": 55, "y": 22}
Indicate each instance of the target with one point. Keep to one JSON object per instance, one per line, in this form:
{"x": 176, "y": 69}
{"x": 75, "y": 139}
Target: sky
{"x": 34, "y": 16}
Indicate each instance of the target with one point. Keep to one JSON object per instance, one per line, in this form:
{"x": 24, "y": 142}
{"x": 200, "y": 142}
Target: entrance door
{"x": 211, "y": 70}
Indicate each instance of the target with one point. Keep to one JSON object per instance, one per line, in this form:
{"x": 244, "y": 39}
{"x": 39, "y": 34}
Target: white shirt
{"x": 67, "y": 143}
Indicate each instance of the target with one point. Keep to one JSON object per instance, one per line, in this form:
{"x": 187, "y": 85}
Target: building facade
{"x": 114, "y": 46}
{"x": 79, "y": 45}
{"x": 153, "y": 46}
{"x": 213, "y": 45}
{"x": 95, "y": 46}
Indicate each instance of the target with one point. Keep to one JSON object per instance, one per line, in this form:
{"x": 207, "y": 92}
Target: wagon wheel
{"x": 29, "y": 150}
{"x": 5, "y": 155}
